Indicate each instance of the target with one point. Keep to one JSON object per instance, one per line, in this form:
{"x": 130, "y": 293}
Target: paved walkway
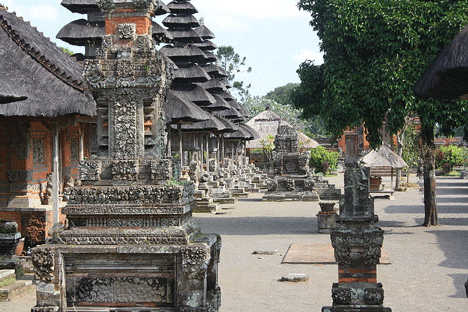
{"x": 428, "y": 270}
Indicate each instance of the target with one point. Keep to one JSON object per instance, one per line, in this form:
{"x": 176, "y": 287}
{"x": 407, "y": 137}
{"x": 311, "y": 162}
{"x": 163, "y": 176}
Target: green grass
{"x": 452, "y": 173}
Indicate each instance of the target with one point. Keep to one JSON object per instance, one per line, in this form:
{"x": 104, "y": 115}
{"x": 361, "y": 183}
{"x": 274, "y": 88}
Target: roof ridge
{"x": 37, "y": 55}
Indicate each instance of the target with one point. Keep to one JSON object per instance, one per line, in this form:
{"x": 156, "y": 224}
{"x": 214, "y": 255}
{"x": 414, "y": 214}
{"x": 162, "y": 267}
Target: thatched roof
{"x": 383, "y": 157}
{"x": 215, "y": 71}
{"x": 266, "y": 124}
{"x": 186, "y": 35}
{"x": 250, "y": 130}
{"x": 179, "y": 110}
{"x": 210, "y": 57}
{"x": 183, "y": 53}
{"x": 182, "y": 7}
{"x": 210, "y": 125}
{"x": 197, "y": 95}
{"x": 230, "y": 113}
{"x": 219, "y": 105}
{"x": 447, "y": 76}
{"x": 207, "y": 45}
{"x": 194, "y": 73}
{"x": 204, "y": 32}
{"x": 230, "y": 126}
{"x": 52, "y": 81}
{"x": 81, "y": 31}
{"x": 173, "y": 21}
{"x": 84, "y": 6}
{"x": 213, "y": 85}
{"x": 9, "y": 91}
{"x": 244, "y": 133}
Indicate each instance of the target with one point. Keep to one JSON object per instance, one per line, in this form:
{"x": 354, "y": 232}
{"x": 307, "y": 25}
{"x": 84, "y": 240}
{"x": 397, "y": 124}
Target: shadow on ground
{"x": 454, "y": 245}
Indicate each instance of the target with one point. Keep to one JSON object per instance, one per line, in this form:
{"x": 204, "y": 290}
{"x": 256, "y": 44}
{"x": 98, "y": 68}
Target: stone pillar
{"x": 357, "y": 242}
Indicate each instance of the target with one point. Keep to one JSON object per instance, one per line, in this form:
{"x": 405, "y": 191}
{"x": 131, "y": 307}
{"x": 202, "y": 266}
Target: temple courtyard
{"x": 427, "y": 271}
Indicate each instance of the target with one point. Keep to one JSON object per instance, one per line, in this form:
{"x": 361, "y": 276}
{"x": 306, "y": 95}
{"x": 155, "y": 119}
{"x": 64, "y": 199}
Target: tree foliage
{"x": 374, "y": 52}
{"x": 323, "y": 160}
{"x": 66, "y": 50}
{"x": 282, "y": 94}
{"x": 233, "y": 63}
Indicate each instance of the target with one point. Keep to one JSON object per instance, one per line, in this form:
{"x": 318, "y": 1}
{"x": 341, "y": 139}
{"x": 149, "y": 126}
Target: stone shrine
{"x": 131, "y": 243}
{"x": 293, "y": 179}
{"x": 357, "y": 242}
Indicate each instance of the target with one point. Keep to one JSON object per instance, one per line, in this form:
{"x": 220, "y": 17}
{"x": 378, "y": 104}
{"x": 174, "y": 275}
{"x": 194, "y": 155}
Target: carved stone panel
{"x": 38, "y": 151}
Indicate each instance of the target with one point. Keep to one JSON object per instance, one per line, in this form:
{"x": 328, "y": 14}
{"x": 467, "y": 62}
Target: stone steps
{"x": 17, "y": 287}
{"x": 119, "y": 309}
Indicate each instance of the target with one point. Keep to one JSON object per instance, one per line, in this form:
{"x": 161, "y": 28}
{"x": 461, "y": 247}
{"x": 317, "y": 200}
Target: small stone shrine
{"x": 131, "y": 243}
{"x": 357, "y": 242}
{"x": 293, "y": 179}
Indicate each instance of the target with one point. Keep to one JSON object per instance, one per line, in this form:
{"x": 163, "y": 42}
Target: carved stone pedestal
{"x": 326, "y": 221}
{"x": 357, "y": 242}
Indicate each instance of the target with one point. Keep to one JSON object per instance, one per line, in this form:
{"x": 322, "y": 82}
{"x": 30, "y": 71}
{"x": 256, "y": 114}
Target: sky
{"x": 273, "y": 35}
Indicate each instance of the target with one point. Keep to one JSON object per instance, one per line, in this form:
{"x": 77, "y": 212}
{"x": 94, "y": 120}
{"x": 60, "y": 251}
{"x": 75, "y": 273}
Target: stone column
{"x": 357, "y": 242}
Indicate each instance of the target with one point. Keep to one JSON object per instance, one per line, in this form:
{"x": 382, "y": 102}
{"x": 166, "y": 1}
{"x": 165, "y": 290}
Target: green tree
{"x": 282, "y": 94}
{"x": 66, "y": 50}
{"x": 374, "y": 52}
{"x": 323, "y": 160}
{"x": 233, "y": 63}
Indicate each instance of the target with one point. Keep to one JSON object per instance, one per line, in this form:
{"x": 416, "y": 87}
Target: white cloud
{"x": 252, "y": 9}
{"x": 43, "y": 12}
{"x": 306, "y": 54}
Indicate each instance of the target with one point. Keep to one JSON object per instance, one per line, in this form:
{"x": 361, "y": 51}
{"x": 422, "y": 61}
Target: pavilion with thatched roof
{"x": 46, "y": 132}
{"x": 266, "y": 125}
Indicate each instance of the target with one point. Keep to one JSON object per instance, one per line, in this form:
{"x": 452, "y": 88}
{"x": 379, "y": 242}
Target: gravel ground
{"x": 428, "y": 270}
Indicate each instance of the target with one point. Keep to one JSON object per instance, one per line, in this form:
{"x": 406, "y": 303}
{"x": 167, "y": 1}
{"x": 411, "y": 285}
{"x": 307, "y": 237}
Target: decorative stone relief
{"x": 38, "y": 151}
{"x": 309, "y": 184}
{"x": 20, "y": 140}
{"x": 161, "y": 169}
{"x": 125, "y": 170}
{"x": 127, "y": 30}
{"x": 195, "y": 261}
{"x": 89, "y": 170}
{"x": 290, "y": 185}
{"x": 341, "y": 296}
{"x": 105, "y": 4}
{"x": 145, "y": 44}
{"x": 374, "y": 296}
{"x": 44, "y": 264}
{"x": 93, "y": 73}
{"x": 74, "y": 149}
{"x": 272, "y": 185}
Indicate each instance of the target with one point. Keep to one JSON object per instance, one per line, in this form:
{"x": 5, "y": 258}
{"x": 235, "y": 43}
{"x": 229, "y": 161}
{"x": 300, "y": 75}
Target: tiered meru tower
{"x": 131, "y": 243}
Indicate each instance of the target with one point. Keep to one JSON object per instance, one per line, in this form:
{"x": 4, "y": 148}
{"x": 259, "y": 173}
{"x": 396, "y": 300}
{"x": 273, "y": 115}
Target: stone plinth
{"x": 326, "y": 221}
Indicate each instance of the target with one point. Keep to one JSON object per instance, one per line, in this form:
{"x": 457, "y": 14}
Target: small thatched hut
{"x": 47, "y": 132}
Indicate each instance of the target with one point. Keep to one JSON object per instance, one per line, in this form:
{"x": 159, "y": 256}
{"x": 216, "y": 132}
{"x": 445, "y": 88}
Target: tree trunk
{"x": 430, "y": 206}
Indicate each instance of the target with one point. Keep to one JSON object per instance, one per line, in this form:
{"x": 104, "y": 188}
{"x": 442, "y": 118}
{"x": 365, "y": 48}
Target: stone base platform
{"x": 356, "y": 309}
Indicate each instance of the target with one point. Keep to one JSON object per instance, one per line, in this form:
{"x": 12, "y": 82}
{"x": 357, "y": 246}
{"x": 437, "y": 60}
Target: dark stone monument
{"x": 131, "y": 243}
{"x": 357, "y": 242}
{"x": 9, "y": 240}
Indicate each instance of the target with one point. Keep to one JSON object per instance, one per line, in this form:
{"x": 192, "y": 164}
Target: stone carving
{"x": 272, "y": 185}
{"x": 35, "y": 230}
{"x": 341, "y": 296}
{"x": 125, "y": 132}
{"x": 145, "y": 44}
{"x": 195, "y": 261}
{"x": 105, "y": 4}
{"x": 161, "y": 169}
{"x": 38, "y": 151}
{"x": 126, "y": 30}
{"x": 43, "y": 260}
{"x": 125, "y": 170}
{"x": 89, "y": 170}
{"x": 309, "y": 184}
{"x": 290, "y": 185}
{"x": 374, "y": 296}
{"x": 20, "y": 140}
{"x": 93, "y": 73}
{"x": 74, "y": 149}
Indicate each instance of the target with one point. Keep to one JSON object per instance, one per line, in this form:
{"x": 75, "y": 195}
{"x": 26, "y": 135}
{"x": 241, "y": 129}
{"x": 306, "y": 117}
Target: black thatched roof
{"x": 9, "y": 91}
{"x": 182, "y": 7}
{"x": 204, "y": 32}
{"x": 173, "y": 21}
{"x": 210, "y": 57}
{"x": 215, "y": 71}
{"x": 241, "y": 134}
{"x": 447, "y": 76}
{"x": 230, "y": 113}
{"x": 197, "y": 95}
{"x": 250, "y": 130}
{"x": 210, "y": 125}
{"x": 193, "y": 73}
{"x": 219, "y": 105}
{"x": 52, "y": 81}
{"x": 183, "y": 53}
{"x": 84, "y": 6}
{"x": 179, "y": 110}
{"x": 207, "y": 45}
{"x": 81, "y": 31}
{"x": 185, "y": 36}
{"x": 213, "y": 85}
{"x": 230, "y": 126}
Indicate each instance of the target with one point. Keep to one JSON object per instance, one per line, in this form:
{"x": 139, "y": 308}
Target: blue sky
{"x": 273, "y": 35}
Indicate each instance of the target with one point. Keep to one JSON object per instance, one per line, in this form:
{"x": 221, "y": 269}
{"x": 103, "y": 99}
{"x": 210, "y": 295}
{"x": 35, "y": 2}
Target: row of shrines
{"x": 55, "y": 120}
